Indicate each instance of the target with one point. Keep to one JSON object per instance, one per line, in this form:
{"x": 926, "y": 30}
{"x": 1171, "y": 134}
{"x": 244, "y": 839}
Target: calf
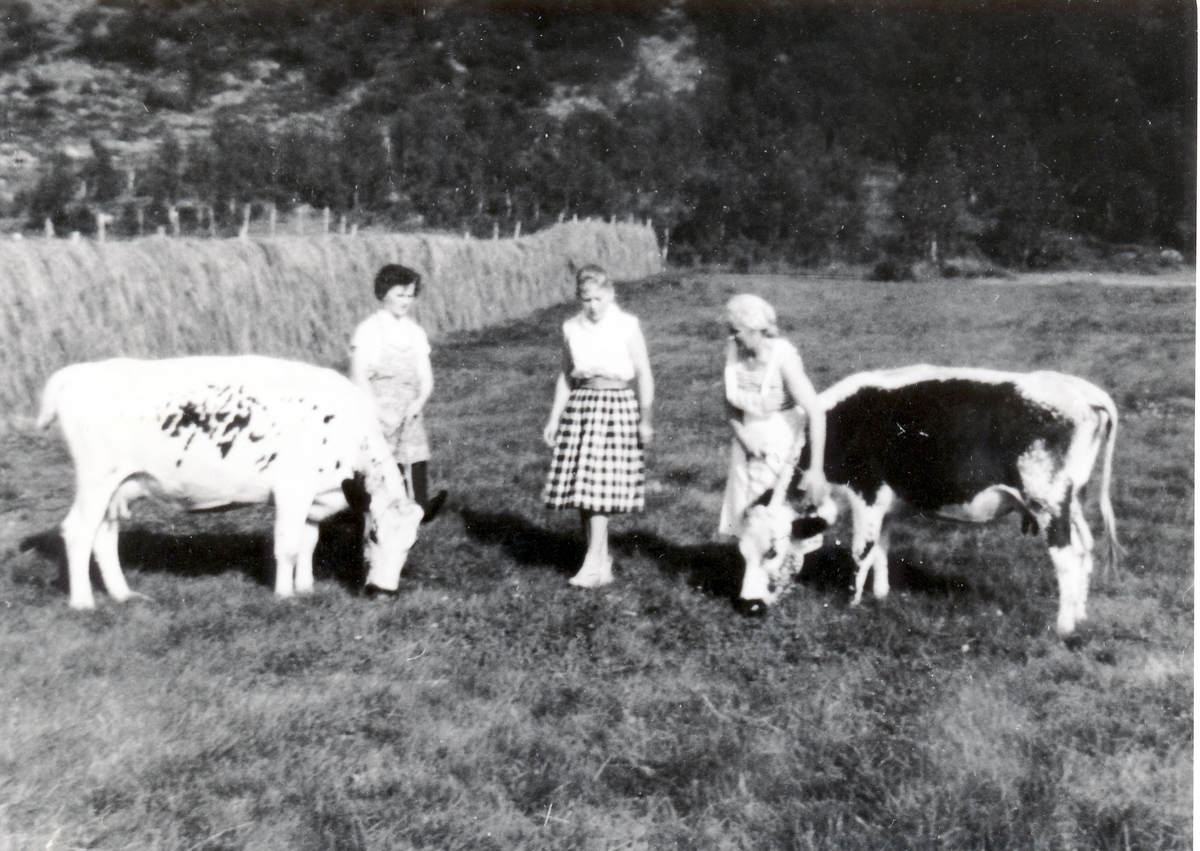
{"x": 210, "y": 432}
{"x": 969, "y": 445}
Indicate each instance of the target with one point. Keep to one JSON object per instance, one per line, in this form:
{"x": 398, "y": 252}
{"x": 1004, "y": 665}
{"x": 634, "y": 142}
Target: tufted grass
{"x": 491, "y": 706}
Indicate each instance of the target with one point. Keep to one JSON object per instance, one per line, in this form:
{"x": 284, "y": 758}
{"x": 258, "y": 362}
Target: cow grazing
{"x": 964, "y": 444}
{"x": 210, "y": 432}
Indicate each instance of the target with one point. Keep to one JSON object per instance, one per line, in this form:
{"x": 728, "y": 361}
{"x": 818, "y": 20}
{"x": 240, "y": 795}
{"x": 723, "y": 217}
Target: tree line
{"x": 1012, "y": 130}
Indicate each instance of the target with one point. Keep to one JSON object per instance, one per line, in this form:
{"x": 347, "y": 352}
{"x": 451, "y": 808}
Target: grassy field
{"x": 492, "y": 706}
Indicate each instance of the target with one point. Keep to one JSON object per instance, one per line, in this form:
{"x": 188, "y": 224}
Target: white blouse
{"x": 382, "y": 336}
{"x": 602, "y": 349}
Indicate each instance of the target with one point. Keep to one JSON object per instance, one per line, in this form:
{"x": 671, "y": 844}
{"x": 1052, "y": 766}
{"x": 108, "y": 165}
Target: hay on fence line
{"x": 298, "y": 297}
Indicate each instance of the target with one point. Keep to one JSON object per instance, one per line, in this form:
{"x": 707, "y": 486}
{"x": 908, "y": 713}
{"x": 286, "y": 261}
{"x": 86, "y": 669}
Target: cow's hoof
{"x": 374, "y": 592}
{"x": 751, "y": 608}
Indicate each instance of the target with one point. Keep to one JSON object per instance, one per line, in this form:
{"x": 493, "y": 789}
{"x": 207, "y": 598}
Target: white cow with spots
{"x": 964, "y": 444}
{"x": 208, "y": 432}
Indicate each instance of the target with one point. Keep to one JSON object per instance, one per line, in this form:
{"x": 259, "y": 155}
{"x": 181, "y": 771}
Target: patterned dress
{"x": 391, "y": 350}
{"x": 770, "y": 418}
{"x": 599, "y": 462}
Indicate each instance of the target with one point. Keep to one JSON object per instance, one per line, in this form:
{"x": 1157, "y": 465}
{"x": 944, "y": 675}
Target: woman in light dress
{"x": 773, "y": 409}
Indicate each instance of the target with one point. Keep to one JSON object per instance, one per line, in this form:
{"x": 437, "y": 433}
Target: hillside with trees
{"x": 1021, "y": 134}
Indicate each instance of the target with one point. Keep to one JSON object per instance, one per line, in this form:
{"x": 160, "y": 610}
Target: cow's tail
{"x": 1108, "y": 425}
{"x": 49, "y": 410}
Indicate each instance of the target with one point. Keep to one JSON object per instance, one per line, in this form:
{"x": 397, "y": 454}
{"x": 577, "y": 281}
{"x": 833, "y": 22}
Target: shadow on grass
{"x": 339, "y": 553}
{"x": 832, "y": 569}
{"x": 526, "y": 543}
{"x": 715, "y": 568}
{"x": 904, "y": 574}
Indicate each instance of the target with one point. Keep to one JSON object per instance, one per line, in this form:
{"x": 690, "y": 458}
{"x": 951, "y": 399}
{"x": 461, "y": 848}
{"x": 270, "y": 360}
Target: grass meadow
{"x": 492, "y": 706}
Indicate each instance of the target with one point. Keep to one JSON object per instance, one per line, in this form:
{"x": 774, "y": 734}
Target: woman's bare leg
{"x": 597, "y": 565}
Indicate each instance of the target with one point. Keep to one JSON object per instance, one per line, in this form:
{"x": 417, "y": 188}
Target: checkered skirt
{"x": 598, "y": 462}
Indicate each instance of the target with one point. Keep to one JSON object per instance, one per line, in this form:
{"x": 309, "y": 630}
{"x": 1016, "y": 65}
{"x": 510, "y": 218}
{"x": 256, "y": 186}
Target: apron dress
{"x": 395, "y": 384}
{"x": 771, "y": 420}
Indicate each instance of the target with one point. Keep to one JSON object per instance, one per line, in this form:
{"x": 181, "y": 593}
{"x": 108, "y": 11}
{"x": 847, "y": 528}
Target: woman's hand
{"x": 412, "y": 412}
{"x": 550, "y": 433}
{"x": 645, "y": 432}
{"x": 814, "y": 486}
{"x": 749, "y": 446}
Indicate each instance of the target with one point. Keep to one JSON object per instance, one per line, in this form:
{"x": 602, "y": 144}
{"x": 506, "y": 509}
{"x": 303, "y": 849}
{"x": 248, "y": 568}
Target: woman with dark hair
{"x": 389, "y": 358}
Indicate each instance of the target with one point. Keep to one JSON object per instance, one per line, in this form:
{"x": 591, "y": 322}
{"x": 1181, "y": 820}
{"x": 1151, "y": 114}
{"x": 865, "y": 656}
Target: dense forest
{"x": 1025, "y": 134}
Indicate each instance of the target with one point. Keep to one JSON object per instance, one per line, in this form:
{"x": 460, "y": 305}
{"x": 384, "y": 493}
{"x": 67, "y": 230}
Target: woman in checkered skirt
{"x": 598, "y": 425}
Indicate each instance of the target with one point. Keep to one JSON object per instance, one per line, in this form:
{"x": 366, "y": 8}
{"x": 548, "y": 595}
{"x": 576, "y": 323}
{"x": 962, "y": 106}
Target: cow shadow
{"x": 338, "y": 556}
{"x": 831, "y": 569}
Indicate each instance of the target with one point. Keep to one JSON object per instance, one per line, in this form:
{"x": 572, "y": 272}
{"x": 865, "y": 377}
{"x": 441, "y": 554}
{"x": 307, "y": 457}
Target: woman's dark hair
{"x": 395, "y": 275}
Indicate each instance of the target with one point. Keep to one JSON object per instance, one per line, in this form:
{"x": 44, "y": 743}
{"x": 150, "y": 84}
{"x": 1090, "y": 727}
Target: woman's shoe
{"x": 434, "y": 506}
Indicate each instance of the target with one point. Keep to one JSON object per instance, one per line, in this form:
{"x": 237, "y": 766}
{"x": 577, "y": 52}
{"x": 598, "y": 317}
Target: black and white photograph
{"x": 597, "y": 425}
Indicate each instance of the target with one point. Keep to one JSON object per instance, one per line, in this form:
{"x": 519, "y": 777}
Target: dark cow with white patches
{"x": 209, "y": 432}
{"x": 970, "y": 445}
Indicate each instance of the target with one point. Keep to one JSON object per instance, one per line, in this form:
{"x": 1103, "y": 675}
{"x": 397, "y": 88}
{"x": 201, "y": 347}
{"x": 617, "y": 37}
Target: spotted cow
{"x": 210, "y": 432}
{"x": 964, "y": 444}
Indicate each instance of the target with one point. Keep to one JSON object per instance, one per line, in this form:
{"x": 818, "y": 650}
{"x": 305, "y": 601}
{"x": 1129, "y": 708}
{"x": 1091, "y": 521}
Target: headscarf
{"x": 752, "y": 313}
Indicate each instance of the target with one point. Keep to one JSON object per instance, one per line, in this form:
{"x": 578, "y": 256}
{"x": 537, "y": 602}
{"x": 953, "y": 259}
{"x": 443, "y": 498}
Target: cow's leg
{"x": 291, "y": 520}
{"x": 879, "y": 576}
{"x": 79, "y": 530}
{"x": 105, "y": 550}
{"x": 1083, "y": 543}
{"x": 867, "y": 544}
{"x": 105, "y": 546}
{"x": 1068, "y": 566}
{"x": 304, "y": 558}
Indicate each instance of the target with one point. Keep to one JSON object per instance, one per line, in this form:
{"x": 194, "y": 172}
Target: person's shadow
{"x": 714, "y": 568}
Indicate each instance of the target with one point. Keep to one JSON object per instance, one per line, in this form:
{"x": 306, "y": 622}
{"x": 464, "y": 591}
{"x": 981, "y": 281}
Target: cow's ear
{"x": 765, "y": 499}
{"x": 356, "y": 493}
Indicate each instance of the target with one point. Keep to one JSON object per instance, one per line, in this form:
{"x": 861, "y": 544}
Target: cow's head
{"x": 388, "y": 536}
{"x": 391, "y": 525}
{"x": 774, "y": 540}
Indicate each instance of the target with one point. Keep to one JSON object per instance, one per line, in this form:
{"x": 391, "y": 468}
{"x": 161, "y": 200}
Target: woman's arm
{"x": 562, "y": 391}
{"x": 424, "y": 387}
{"x": 360, "y": 359}
{"x": 645, "y": 383}
{"x": 802, "y": 390}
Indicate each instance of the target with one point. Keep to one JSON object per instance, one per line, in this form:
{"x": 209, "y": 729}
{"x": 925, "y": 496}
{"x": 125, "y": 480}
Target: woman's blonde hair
{"x": 752, "y": 313}
{"x": 591, "y": 274}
